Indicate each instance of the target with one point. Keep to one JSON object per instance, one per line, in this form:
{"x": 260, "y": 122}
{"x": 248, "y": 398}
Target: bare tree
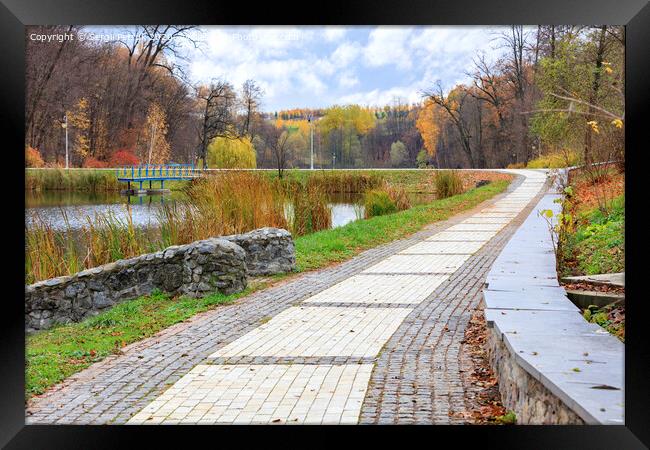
{"x": 152, "y": 46}
{"x": 250, "y": 101}
{"x": 217, "y": 102}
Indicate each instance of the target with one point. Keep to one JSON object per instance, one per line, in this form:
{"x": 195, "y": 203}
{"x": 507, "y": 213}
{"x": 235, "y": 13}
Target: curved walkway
{"x": 372, "y": 340}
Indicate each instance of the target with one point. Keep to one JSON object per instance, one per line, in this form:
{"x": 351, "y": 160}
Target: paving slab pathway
{"x": 373, "y": 340}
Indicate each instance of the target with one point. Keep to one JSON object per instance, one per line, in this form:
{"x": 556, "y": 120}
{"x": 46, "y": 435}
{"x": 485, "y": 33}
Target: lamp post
{"x": 65, "y": 127}
{"x": 333, "y": 160}
{"x": 310, "y": 119}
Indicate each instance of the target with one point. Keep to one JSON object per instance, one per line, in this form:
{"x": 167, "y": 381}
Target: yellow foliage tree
{"x": 79, "y": 123}
{"x": 226, "y": 153}
{"x": 429, "y": 124}
{"x": 153, "y": 137}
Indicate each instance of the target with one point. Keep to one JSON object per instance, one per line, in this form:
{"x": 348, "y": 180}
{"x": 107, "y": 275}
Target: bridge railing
{"x": 157, "y": 171}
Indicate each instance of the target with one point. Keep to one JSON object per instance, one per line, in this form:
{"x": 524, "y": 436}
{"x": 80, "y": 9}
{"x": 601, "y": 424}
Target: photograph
{"x": 304, "y": 224}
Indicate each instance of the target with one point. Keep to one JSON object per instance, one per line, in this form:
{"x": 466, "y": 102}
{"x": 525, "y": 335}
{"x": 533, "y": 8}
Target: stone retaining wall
{"x": 521, "y": 392}
{"x": 217, "y": 264}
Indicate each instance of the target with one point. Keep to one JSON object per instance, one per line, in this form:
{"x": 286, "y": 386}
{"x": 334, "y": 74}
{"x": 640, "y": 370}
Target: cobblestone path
{"x": 373, "y": 340}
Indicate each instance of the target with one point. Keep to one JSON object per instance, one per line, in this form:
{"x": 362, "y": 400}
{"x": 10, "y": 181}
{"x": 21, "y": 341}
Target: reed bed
{"x": 102, "y": 239}
{"x": 448, "y": 183}
{"x": 385, "y": 200}
{"x": 227, "y": 203}
{"x": 71, "y": 180}
{"x": 311, "y": 211}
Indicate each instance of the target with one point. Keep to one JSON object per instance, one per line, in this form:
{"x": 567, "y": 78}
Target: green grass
{"x": 55, "y": 354}
{"x": 598, "y": 243}
{"x": 325, "y": 247}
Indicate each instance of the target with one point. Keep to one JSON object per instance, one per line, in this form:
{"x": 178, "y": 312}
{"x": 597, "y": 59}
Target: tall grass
{"x": 448, "y": 183}
{"x": 102, "y": 239}
{"x": 71, "y": 180}
{"x": 331, "y": 182}
{"x": 311, "y": 211}
{"x": 385, "y": 200}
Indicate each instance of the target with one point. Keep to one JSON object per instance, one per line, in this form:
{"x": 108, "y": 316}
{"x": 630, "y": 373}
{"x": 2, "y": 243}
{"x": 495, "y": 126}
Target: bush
{"x": 231, "y": 154}
{"x": 555, "y": 160}
{"x": 516, "y": 166}
{"x": 33, "y": 158}
{"x": 377, "y": 202}
{"x": 94, "y": 163}
{"x": 448, "y": 183}
{"x": 422, "y": 159}
{"x": 123, "y": 158}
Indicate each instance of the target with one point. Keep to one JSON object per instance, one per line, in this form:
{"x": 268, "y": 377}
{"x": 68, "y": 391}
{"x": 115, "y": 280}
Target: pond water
{"x": 57, "y": 207}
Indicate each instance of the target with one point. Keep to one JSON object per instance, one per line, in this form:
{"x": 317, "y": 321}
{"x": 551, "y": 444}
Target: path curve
{"x": 373, "y": 340}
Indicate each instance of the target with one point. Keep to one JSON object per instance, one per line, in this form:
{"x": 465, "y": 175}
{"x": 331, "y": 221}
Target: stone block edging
{"x": 553, "y": 366}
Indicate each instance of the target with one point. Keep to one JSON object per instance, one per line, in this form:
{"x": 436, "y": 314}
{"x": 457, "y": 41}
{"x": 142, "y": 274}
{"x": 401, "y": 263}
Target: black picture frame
{"x": 16, "y": 14}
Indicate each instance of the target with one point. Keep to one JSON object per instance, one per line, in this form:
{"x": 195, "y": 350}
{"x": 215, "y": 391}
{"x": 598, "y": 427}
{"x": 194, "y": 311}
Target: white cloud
{"x": 346, "y": 53}
{"x": 381, "y": 97}
{"x": 388, "y": 45}
{"x": 333, "y": 34}
{"x": 296, "y": 66}
{"x": 348, "y": 80}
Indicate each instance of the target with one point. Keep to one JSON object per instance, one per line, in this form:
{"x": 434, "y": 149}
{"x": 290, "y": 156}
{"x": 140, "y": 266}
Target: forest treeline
{"x": 555, "y": 89}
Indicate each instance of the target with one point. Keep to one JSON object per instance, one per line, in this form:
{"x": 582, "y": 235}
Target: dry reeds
{"x": 448, "y": 183}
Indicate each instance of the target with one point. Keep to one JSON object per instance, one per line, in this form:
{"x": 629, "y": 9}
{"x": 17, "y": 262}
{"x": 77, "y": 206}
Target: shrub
{"x": 555, "y": 160}
{"x": 377, "y": 202}
{"x": 33, "y": 158}
{"x": 448, "y": 183}
{"x": 516, "y": 166}
{"x": 94, "y": 163}
{"x": 123, "y": 157}
{"x": 422, "y": 159}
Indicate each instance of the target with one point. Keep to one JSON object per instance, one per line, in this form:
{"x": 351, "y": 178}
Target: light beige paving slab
{"x": 419, "y": 264}
{"x": 476, "y": 227}
{"x": 406, "y": 289}
{"x": 444, "y": 247}
{"x": 463, "y": 236}
{"x": 262, "y": 394}
{"x": 319, "y": 331}
{"x": 477, "y": 219}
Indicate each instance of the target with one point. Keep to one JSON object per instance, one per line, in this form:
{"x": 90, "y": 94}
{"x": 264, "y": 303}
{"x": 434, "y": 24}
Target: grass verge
{"x": 55, "y": 354}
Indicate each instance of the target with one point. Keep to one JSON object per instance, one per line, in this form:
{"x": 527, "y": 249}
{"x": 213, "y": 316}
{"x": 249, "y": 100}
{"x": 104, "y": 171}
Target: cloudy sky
{"x": 320, "y": 66}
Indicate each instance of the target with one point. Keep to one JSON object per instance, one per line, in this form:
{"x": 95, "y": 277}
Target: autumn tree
{"x": 152, "y": 146}
{"x": 397, "y": 153}
{"x": 452, "y": 104}
{"x": 231, "y": 153}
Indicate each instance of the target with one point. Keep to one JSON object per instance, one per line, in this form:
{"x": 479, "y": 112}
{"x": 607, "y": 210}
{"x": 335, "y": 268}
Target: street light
{"x": 65, "y": 127}
{"x": 333, "y": 160}
{"x": 310, "y": 119}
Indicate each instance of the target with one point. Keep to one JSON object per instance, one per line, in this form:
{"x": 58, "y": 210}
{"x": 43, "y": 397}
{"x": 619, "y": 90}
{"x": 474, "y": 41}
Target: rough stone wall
{"x": 268, "y": 250}
{"x": 192, "y": 270}
{"x": 533, "y": 403}
{"x": 217, "y": 264}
